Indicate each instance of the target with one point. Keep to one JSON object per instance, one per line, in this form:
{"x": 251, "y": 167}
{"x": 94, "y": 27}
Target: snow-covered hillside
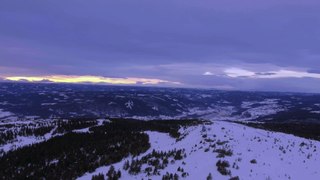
{"x": 231, "y": 149}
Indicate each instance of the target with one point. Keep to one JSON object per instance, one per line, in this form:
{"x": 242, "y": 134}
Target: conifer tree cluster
{"x": 112, "y": 174}
{"x": 11, "y": 134}
{"x": 72, "y": 154}
{"x": 222, "y": 167}
{"x": 155, "y": 161}
{"x": 64, "y": 126}
{"x": 170, "y": 176}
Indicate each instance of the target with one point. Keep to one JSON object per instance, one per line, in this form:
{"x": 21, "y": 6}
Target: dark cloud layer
{"x": 172, "y": 40}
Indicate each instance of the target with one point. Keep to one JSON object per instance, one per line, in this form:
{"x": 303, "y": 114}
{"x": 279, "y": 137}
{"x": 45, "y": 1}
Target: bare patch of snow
{"x": 4, "y": 114}
{"x": 129, "y": 104}
{"x": 48, "y": 104}
{"x": 315, "y": 112}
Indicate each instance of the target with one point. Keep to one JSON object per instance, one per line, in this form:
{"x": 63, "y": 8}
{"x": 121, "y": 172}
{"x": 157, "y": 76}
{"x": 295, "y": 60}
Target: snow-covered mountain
{"x": 247, "y": 152}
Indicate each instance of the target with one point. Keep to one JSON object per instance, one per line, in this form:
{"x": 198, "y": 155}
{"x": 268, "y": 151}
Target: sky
{"x": 258, "y": 45}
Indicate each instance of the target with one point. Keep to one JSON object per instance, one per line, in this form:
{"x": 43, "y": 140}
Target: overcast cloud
{"x": 241, "y": 45}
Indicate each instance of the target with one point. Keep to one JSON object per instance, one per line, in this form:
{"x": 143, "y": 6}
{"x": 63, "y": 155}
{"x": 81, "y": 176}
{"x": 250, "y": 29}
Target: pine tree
{"x": 111, "y": 173}
{"x": 98, "y": 177}
{"x": 119, "y": 174}
{"x": 126, "y": 165}
{"x": 176, "y": 177}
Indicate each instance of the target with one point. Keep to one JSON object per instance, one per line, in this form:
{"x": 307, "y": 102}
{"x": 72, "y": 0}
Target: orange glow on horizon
{"x": 89, "y": 79}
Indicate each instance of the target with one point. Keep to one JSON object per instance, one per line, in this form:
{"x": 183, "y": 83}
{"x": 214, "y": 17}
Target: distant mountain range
{"x": 31, "y": 100}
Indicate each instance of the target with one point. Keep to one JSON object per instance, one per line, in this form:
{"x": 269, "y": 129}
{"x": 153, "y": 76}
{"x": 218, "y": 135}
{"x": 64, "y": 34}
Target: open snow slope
{"x": 245, "y": 152}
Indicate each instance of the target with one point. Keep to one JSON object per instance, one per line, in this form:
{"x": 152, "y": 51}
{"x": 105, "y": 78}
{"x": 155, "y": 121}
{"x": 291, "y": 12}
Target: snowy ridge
{"x": 250, "y": 154}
